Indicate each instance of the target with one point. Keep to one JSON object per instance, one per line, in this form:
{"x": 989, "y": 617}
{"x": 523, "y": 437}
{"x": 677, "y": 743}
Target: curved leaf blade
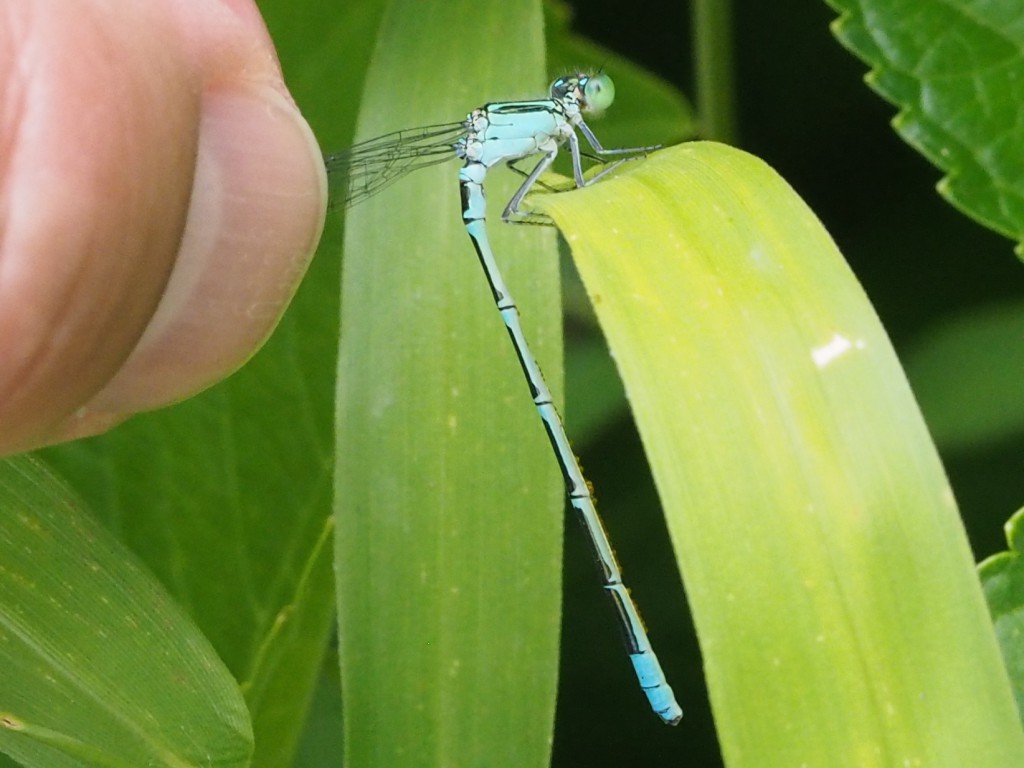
{"x": 829, "y": 576}
{"x": 100, "y": 666}
{"x": 226, "y": 498}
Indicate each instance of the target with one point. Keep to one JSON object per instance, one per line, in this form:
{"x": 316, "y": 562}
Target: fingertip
{"x": 257, "y": 211}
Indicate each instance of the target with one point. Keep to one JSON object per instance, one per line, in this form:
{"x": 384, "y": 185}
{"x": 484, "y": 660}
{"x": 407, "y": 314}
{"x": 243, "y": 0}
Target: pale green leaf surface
{"x": 1002, "y": 576}
{"x": 99, "y": 665}
{"x": 829, "y": 576}
{"x": 956, "y": 72}
{"x": 449, "y": 506}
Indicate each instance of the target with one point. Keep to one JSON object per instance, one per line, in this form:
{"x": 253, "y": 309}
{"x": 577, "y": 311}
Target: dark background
{"x": 804, "y": 108}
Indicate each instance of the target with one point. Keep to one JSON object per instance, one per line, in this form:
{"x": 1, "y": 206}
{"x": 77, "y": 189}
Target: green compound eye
{"x": 599, "y": 93}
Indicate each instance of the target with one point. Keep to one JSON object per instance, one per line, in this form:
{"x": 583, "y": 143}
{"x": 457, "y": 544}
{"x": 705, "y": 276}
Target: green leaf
{"x": 324, "y": 49}
{"x": 956, "y": 72}
{"x": 966, "y": 373}
{"x": 449, "y": 506}
{"x": 100, "y": 666}
{"x": 227, "y": 499}
{"x": 322, "y": 739}
{"x": 1002, "y": 576}
{"x": 830, "y": 579}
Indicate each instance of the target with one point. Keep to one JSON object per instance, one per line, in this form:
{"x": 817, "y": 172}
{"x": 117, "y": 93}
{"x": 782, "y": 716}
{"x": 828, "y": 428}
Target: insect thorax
{"x": 470, "y": 146}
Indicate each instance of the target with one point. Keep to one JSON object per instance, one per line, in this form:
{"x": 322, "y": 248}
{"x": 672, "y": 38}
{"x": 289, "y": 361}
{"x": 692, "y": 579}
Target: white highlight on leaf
{"x": 833, "y": 349}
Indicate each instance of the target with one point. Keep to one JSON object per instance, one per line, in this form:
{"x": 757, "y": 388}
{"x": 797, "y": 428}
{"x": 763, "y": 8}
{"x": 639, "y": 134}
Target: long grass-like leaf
{"x": 448, "y": 504}
{"x": 830, "y": 578}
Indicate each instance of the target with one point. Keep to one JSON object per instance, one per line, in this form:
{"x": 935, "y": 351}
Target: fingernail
{"x": 256, "y": 213}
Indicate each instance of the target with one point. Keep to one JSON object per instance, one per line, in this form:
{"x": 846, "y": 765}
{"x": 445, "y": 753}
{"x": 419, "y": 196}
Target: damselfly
{"x": 504, "y": 132}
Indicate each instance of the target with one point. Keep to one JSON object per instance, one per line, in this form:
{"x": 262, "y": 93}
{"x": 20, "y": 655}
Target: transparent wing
{"x": 366, "y": 168}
